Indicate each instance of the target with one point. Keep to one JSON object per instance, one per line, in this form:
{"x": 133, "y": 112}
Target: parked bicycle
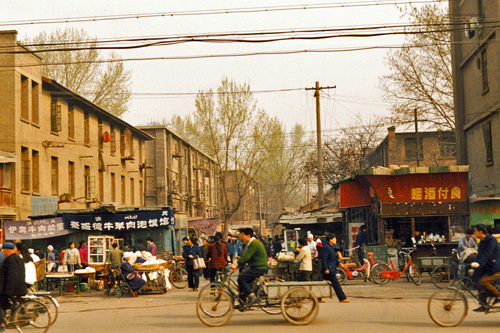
{"x": 381, "y": 273}
{"x": 350, "y": 270}
{"x": 27, "y": 315}
{"x": 178, "y": 274}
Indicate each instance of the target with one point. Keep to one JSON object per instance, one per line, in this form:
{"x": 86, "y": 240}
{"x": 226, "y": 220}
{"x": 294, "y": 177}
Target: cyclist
{"x": 255, "y": 255}
{"x": 487, "y": 265}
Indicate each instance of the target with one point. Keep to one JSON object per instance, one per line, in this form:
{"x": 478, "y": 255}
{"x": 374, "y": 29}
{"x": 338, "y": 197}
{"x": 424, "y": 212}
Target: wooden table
{"x": 60, "y": 279}
{"x": 90, "y": 279}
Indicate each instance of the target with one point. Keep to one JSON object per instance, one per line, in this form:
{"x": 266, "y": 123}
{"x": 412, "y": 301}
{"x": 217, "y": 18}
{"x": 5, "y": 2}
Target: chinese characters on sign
{"x": 35, "y": 229}
{"x": 120, "y": 221}
{"x": 46, "y": 205}
{"x": 435, "y": 193}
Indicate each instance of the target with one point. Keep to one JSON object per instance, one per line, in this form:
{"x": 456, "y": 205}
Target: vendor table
{"x": 156, "y": 280}
{"x": 60, "y": 279}
{"x": 90, "y": 279}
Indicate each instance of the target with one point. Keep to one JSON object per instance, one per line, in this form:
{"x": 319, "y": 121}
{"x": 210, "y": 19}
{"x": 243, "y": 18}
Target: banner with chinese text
{"x": 130, "y": 221}
{"x": 35, "y": 229}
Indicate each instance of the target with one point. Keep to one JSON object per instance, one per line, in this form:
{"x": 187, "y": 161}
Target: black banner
{"x": 129, "y": 221}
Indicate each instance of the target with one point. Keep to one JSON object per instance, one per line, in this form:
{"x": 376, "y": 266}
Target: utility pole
{"x": 416, "y": 132}
{"x": 317, "y": 89}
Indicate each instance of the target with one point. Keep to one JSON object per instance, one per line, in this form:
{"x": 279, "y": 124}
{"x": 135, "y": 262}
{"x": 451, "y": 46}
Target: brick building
{"x": 56, "y": 142}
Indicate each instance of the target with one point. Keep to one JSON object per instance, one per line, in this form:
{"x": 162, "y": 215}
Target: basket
{"x": 155, "y": 267}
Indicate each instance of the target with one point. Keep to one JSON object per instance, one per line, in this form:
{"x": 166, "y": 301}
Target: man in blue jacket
{"x": 361, "y": 239}
{"x": 329, "y": 262}
{"x": 487, "y": 265}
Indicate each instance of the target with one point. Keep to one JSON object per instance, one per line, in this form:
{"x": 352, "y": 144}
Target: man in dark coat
{"x": 361, "y": 239}
{"x": 487, "y": 265}
{"x": 12, "y": 279}
{"x": 329, "y": 261}
{"x": 276, "y": 246}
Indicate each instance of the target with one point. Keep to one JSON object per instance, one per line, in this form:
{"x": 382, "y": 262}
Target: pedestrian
{"x": 12, "y": 280}
{"x": 84, "y": 253}
{"x": 115, "y": 256}
{"x": 329, "y": 262}
{"x": 29, "y": 267}
{"x": 361, "y": 241}
{"x": 204, "y": 251}
{"x": 238, "y": 248}
{"x": 139, "y": 246}
{"x": 311, "y": 244}
{"x": 230, "y": 249}
{"x": 276, "y": 246}
{"x": 151, "y": 246}
{"x": 53, "y": 258}
{"x": 191, "y": 252}
{"x": 305, "y": 259}
{"x": 72, "y": 258}
{"x": 216, "y": 256}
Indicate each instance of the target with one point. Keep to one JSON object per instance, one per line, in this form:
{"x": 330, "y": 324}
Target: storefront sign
{"x": 130, "y": 221}
{"x": 46, "y": 205}
{"x": 485, "y": 212}
{"x": 35, "y": 229}
{"x": 354, "y": 230}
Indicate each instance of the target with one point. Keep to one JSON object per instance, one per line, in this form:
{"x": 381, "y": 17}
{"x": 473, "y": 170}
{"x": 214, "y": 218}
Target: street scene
{"x": 307, "y": 164}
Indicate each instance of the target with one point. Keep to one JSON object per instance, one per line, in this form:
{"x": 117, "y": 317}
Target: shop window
{"x": 71, "y": 178}
{"x": 35, "y": 103}
{"x": 35, "y": 165}
{"x": 55, "y": 116}
{"x": 25, "y": 111}
{"x": 71, "y": 121}
{"x": 458, "y": 225}
{"x": 447, "y": 147}
{"x": 411, "y": 148}
{"x": 54, "y": 175}
{"x": 488, "y": 142}
{"x": 86, "y": 128}
{"x": 484, "y": 71}
{"x": 25, "y": 169}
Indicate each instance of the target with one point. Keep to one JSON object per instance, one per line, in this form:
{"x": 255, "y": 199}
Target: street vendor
{"x": 115, "y": 256}
{"x": 133, "y": 280}
{"x": 305, "y": 259}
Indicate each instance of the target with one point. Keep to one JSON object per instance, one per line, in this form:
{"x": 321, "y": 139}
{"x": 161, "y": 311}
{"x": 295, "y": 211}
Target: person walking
{"x": 191, "y": 252}
{"x": 204, "y": 251}
{"x": 329, "y": 262}
{"x": 216, "y": 256}
{"x": 84, "y": 253}
{"x": 151, "y": 246}
{"x": 72, "y": 258}
{"x": 305, "y": 259}
{"x": 361, "y": 240}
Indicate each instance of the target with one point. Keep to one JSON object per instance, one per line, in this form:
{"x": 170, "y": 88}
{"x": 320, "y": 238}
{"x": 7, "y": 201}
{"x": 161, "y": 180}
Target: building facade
{"x": 476, "y": 84}
{"x": 436, "y": 148}
{"x": 57, "y": 143}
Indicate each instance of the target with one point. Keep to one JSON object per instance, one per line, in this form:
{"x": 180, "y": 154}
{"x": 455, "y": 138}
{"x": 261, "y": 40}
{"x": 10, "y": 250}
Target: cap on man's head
{"x": 8, "y": 246}
{"x": 127, "y": 254}
{"x": 50, "y": 247}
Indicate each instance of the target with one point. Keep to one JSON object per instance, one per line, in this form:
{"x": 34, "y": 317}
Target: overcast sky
{"x": 356, "y": 74}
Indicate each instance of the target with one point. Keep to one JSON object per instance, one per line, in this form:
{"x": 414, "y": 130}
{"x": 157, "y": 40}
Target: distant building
{"x": 437, "y": 148}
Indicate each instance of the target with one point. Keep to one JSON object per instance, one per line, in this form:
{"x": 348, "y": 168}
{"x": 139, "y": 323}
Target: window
{"x": 55, "y": 116}
{"x": 35, "y": 93}
{"x": 54, "y": 172}
{"x": 35, "y": 166}
{"x": 25, "y": 111}
{"x": 122, "y": 143}
{"x": 411, "y": 149}
{"x": 488, "y": 143}
{"x": 99, "y": 133}
{"x": 140, "y": 151}
{"x": 101, "y": 185}
{"x": 132, "y": 191}
{"x": 113, "y": 187}
{"x": 25, "y": 169}
{"x": 5, "y": 176}
{"x": 71, "y": 178}
{"x": 141, "y": 193}
{"x": 131, "y": 140}
{"x": 89, "y": 184}
{"x": 71, "y": 121}
{"x": 484, "y": 71}
{"x": 447, "y": 147}
{"x": 86, "y": 128}
{"x": 113, "y": 139}
{"x": 123, "y": 189}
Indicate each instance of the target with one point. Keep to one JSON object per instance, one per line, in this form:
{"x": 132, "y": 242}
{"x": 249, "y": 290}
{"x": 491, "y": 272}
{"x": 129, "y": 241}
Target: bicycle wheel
{"x": 341, "y": 275}
{"x": 214, "y": 308}
{"x": 30, "y": 316}
{"x": 376, "y": 273}
{"x": 269, "y": 306}
{"x": 52, "y": 305}
{"x": 178, "y": 277}
{"x": 443, "y": 276}
{"x": 210, "y": 286}
{"x": 299, "y": 306}
{"x": 414, "y": 274}
{"x": 447, "y": 307}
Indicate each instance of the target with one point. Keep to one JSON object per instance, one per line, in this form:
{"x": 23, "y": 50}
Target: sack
{"x": 130, "y": 276}
{"x": 199, "y": 263}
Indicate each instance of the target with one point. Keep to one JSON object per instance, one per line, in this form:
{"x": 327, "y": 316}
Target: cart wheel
{"x": 341, "y": 275}
{"x": 447, "y": 307}
{"x": 178, "y": 277}
{"x": 214, "y": 308}
{"x": 299, "y": 306}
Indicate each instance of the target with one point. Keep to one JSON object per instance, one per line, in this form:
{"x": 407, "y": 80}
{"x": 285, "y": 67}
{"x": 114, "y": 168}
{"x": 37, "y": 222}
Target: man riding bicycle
{"x": 487, "y": 265}
{"x": 255, "y": 255}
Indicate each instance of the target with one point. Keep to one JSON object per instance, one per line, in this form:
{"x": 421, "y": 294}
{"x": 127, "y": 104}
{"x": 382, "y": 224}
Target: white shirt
{"x": 305, "y": 259}
{"x": 312, "y": 246}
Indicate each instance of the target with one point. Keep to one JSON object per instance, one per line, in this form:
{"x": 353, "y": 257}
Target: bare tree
{"x": 421, "y": 75}
{"x": 106, "y": 85}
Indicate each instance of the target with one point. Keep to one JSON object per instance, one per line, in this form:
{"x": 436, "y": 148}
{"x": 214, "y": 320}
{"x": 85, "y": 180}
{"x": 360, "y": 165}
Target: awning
{"x": 206, "y": 226}
{"x": 473, "y": 199}
{"x": 309, "y": 218}
{"x": 6, "y": 157}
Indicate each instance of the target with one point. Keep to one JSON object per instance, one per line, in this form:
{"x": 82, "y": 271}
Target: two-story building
{"x": 57, "y": 143}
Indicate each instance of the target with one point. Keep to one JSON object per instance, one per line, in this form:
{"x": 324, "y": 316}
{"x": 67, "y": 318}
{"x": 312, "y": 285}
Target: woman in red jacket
{"x": 216, "y": 256}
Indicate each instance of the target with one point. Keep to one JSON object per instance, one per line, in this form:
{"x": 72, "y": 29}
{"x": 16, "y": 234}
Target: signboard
{"x": 130, "y": 221}
{"x": 485, "y": 212}
{"x": 35, "y": 229}
{"x": 291, "y": 238}
{"x": 354, "y": 230}
{"x": 46, "y": 205}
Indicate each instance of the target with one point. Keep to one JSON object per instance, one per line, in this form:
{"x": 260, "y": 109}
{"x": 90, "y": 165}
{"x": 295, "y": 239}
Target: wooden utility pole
{"x": 416, "y": 132}
{"x": 317, "y": 89}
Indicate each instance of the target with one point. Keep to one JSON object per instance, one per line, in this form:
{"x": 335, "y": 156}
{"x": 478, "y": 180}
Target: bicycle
{"x": 381, "y": 273}
{"x": 450, "y": 273}
{"x": 49, "y": 301}
{"x": 27, "y": 314}
{"x": 448, "y": 307}
{"x": 354, "y": 268}
{"x": 178, "y": 274}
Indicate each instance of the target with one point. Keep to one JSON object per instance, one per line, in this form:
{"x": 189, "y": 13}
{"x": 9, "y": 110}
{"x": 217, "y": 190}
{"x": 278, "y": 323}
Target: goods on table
{"x": 286, "y": 256}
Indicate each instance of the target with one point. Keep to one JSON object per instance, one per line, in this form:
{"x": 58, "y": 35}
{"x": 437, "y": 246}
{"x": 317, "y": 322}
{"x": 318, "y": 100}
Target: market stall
{"x": 155, "y": 275}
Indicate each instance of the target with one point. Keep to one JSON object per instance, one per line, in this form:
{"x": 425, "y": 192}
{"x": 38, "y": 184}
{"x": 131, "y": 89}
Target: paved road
{"x": 398, "y": 306}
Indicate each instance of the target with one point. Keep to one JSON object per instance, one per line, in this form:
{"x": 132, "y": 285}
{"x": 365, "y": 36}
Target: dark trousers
{"x": 193, "y": 277}
{"x": 206, "y": 273}
{"x": 247, "y": 277}
{"x": 305, "y": 276}
{"x": 332, "y": 277}
{"x": 213, "y": 273}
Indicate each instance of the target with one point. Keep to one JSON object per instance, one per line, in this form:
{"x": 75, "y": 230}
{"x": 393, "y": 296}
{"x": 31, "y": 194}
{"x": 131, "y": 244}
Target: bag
{"x": 199, "y": 263}
{"x": 130, "y": 276}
